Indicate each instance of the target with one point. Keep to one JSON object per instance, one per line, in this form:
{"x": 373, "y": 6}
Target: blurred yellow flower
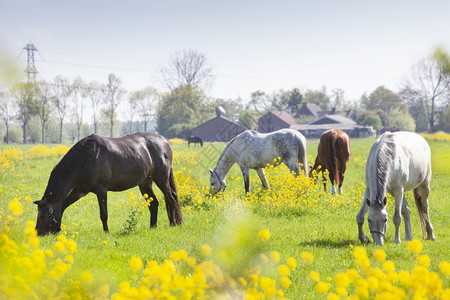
{"x": 445, "y": 268}
{"x": 206, "y": 250}
{"x": 264, "y": 235}
{"x": 380, "y": 255}
{"x": 307, "y": 256}
{"x": 284, "y": 270}
{"x": 415, "y": 246}
{"x": 291, "y": 262}
{"x": 275, "y": 255}
{"x": 322, "y": 287}
{"x": 15, "y": 207}
{"x": 135, "y": 264}
{"x": 314, "y": 275}
{"x": 285, "y": 282}
{"x": 424, "y": 260}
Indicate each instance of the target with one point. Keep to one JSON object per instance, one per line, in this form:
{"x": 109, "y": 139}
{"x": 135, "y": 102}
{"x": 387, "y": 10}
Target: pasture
{"x": 242, "y": 246}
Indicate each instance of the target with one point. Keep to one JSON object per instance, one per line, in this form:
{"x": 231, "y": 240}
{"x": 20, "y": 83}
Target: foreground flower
{"x": 264, "y": 235}
{"x": 415, "y": 246}
{"x": 135, "y": 264}
{"x": 306, "y": 256}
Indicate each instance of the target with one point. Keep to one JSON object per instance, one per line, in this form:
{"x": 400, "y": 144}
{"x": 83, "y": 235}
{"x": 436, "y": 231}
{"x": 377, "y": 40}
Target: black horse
{"x": 195, "y": 140}
{"x": 97, "y": 164}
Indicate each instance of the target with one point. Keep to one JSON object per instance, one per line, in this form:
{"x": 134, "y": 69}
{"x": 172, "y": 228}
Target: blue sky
{"x": 252, "y": 45}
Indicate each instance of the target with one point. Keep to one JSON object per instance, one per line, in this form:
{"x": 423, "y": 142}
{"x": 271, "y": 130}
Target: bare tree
{"x": 187, "y": 67}
{"x": 43, "y": 106}
{"x": 428, "y": 88}
{"x": 23, "y": 94}
{"x": 6, "y": 112}
{"x": 113, "y": 97}
{"x": 96, "y": 93}
{"x": 78, "y": 96}
{"x": 145, "y": 102}
{"x": 62, "y": 90}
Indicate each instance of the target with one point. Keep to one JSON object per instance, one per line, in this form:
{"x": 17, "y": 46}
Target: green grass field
{"x": 328, "y": 232}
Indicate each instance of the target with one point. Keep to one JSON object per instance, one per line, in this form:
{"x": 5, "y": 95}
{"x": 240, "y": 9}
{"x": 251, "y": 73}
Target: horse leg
{"x": 263, "y": 178}
{"x": 146, "y": 188}
{"x": 102, "y": 197}
{"x": 167, "y": 185}
{"x": 398, "y": 196}
{"x": 341, "y": 177}
{"x": 421, "y": 197}
{"x": 360, "y": 218}
{"x": 245, "y": 173}
{"x": 332, "y": 181}
{"x": 406, "y": 213}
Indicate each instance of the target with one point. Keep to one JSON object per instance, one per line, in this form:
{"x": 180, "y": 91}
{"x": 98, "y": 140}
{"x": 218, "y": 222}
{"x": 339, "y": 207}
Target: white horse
{"x": 254, "y": 150}
{"x": 397, "y": 162}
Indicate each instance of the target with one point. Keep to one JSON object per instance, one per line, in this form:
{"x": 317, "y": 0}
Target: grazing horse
{"x": 333, "y": 154}
{"x": 254, "y": 150}
{"x": 397, "y": 162}
{"x": 195, "y": 140}
{"x": 98, "y": 164}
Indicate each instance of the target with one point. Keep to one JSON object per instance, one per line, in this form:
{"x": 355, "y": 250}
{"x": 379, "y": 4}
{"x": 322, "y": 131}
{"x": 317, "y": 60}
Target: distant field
{"x": 315, "y": 229}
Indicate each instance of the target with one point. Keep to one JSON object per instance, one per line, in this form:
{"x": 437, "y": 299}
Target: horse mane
{"x": 225, "y": 150}
{"x": 71, "y": 161}
{"x": 384, "y": 159}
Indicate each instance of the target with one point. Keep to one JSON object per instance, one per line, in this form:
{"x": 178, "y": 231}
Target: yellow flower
{"x": 275, "y": 255}
{"x": 314, "y": 275}
{"x": 268, "y": 286}
{"x": 135, "y": 264}
{"x": 424, "y": 260}
{"x": 332, "y": 296}
{"x": 415, "y": 246}
{"x": 291, "y": 262}
{"x": 322, "y": 287}
{"x": 206, "y": 250}
{"x": 86, "y": 278}
{"x": 71, "y": 246}
{"x": 264, "y": 235}
{"x": 380, "y": 255}
{"x": 342, "y": 280}
{"x": 445, "y": 268}
{"x": 285, "y": 282}
{"x": 306, "y": 256}
{"x": 283, "y": 270}
{"x": 179, "y": 255}
{"x": 389, "y": 266}
{"x": 15, "y": 207}
{"x": 191, "y": 261}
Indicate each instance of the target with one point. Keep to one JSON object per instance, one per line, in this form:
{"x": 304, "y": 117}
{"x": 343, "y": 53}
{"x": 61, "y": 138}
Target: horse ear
{"x": 211, "y": 171}
{"x": 385, "y": 201}
{"x": 368, "y": 202}
{"x": 40, "y": 202}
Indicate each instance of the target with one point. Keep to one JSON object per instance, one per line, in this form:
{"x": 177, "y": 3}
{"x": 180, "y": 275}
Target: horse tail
{"x": 302, "y": 155}
{"x": 423, "y": 215}
{"x": 334, "y": 168}
{"x": 173, "y": 200}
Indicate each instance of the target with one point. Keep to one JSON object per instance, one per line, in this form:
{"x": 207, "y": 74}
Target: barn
{"x": 275, "y": 120}
{"x": 319, "y": 126}
{"x": 218, "y": 129}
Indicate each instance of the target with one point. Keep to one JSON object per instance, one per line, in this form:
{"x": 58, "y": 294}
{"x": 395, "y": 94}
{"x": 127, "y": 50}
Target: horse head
{"x": 48, "y": 218}
{"x": 377, "y": 219}
{"x": 216, "y": 184}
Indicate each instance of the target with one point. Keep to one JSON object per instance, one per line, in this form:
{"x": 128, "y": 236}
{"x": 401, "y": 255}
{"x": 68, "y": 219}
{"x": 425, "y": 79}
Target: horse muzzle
{"x": 378, "y": 237}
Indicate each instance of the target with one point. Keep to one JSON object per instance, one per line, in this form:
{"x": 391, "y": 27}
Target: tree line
{"x": 65, "y": 110}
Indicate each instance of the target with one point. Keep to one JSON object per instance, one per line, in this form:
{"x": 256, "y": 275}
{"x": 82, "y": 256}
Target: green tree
{"x": 369, "y": 118}
{"x": 43, "y": 107}
{"x": 114, "y": 95}
{"x": 186, "y": 105}
{"x": 318, "y": 96}
{"x": 248, "y": 118}
{"x": 383, "y": 101}
{"x": 444, "y": 121}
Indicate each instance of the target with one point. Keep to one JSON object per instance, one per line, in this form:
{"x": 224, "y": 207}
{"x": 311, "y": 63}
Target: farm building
{"x": 310, "y": 110}
{"x": 218, "y": 129}
{"x": 319, "y": 126}
{"x": 275, "y": 120}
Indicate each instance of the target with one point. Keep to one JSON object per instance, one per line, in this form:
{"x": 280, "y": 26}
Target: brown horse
{"x": 97, "y": 164}
{"x": 333, "y": 154}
